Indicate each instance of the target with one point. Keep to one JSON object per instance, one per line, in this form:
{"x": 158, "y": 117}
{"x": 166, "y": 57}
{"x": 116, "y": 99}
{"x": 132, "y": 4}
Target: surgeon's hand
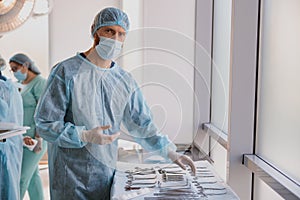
{"x": 96, "y": 135}
{"x": 38, "y": 147}
{"x": 182, "y": 160}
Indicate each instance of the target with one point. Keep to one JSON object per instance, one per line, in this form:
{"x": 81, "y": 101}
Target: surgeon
{"x": 11, "y": 149}
{"x": 86, "y": 99}
{"x": 28, "y": 74}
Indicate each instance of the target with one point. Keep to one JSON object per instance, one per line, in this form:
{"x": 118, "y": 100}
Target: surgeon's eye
{"x": 110, "y": 32}
{"x": 122, "y": 34}
{"x": 15, "y": 68}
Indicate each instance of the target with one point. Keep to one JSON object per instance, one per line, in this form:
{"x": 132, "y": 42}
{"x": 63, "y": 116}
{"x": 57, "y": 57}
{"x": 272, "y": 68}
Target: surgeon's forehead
{"x": 116, "y": 28}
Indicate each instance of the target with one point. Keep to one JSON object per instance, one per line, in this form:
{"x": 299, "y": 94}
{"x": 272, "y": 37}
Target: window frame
{"x": 242, "y": 94}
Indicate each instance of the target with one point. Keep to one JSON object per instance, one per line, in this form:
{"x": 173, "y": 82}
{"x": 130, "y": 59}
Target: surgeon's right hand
{"x": 96, "y": 135}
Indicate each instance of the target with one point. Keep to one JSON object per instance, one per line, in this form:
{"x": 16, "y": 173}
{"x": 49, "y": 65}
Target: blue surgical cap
{"x": 22, "y": 59}
{"x": 110, "y": 17}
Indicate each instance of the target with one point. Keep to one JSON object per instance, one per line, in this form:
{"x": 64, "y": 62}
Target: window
{"x": 279, "y": 84}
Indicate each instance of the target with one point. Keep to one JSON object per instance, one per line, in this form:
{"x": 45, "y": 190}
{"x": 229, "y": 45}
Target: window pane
{"x": 278, "y": 132}
{"x": 221, "y": 59}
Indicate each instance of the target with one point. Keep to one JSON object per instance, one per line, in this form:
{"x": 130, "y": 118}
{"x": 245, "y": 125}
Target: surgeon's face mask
{"x": 20, "y": 76}
{"x": 108, "y": 48}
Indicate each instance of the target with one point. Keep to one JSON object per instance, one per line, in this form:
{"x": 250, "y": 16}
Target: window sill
{"x": 217, "y": 134}
{"x": 278, "y": 181}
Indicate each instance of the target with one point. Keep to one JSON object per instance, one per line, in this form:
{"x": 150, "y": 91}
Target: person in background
{"x": 11, "y": 149}
{"x": 86, "y": 99}
{"x": 2, "y": 67}
{"x": 33, "y": 85}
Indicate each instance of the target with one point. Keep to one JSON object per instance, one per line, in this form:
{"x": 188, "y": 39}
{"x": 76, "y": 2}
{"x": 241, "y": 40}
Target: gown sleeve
{"x": 51, "y": 111}
{"x": 3, "y": 105}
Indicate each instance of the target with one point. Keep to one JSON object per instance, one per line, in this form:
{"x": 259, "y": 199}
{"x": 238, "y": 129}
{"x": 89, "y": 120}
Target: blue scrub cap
{"x": 110, "y": 17}
{"x": 22, "y": 59}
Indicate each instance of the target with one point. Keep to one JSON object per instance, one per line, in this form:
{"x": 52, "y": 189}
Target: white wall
{"x": 31, "y": 39}
{"x": 133, "y": 55}
{"x": 169, "y": 65}
{"x": 219, "y": 155}
{"x": 262, "y": 191}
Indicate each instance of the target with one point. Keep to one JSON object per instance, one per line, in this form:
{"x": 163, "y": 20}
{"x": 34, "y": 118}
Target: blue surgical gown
{"x": 81, "y": 96}
{"x": 11, "y": 110}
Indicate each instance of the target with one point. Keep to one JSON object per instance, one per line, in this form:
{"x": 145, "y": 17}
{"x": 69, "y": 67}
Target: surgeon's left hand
{"x": 181, "y": 160}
